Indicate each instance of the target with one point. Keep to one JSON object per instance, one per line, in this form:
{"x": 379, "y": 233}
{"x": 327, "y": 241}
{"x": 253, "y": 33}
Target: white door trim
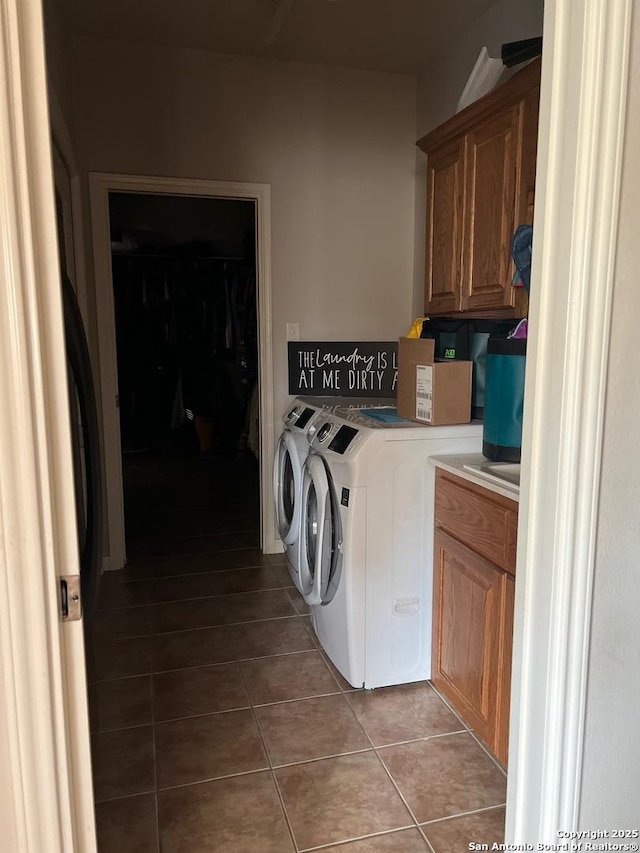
{"x": 46, "y": 770}
{"x": 582, "y": 118}
{"x": 100, "y": 184}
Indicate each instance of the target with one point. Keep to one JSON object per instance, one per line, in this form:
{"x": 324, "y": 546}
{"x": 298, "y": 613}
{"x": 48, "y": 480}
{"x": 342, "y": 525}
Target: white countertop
{"x": 455, "y": 462}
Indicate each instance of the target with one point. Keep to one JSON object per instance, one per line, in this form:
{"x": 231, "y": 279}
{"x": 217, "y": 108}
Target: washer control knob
{"x": 323, "y": 432}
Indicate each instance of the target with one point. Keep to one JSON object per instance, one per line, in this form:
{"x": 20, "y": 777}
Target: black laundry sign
{"x": 343, "y": 368}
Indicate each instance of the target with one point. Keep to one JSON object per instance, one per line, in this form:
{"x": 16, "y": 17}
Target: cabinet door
{"x": 494, "y": 164}
{"x": 468, "y": 602}
{"x": 445, "y": 200}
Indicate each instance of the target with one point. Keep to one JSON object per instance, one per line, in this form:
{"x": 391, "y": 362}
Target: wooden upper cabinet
{"x": 445, "y": 194}
{"x": 480, "y": 188}
{"x": 493, "y": 167}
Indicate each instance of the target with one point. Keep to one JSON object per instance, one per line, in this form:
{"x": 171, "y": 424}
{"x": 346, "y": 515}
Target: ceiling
{"x": 378, "y": 35}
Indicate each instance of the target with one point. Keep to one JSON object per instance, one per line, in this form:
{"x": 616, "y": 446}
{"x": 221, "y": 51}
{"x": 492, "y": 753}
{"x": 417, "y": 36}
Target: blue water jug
{"x": 504, "y": 399}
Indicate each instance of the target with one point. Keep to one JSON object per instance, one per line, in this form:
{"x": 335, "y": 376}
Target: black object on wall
{"x": 86, "y": 449}
{"x": 343, "y": 368}
{"x": 515, "y": 52}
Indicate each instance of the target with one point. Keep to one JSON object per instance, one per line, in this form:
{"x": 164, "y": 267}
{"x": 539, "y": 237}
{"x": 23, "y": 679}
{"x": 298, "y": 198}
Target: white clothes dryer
{"x": 366, "y": 541}
{"x": 291, "y": 452}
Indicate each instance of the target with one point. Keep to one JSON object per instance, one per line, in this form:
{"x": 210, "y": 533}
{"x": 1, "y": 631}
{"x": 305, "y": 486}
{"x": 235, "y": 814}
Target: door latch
{"x": 70, "y": 599}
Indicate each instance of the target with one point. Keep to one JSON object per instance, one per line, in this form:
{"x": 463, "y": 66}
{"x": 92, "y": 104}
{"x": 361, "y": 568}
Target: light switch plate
{"x": 293, "y": 331}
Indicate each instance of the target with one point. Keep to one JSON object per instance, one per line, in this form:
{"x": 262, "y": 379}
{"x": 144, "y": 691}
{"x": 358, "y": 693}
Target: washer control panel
{"x": 324, "y": 432}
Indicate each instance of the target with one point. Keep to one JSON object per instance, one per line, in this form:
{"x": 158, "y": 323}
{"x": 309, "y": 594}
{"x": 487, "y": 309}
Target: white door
{"x": 320, "y": 534}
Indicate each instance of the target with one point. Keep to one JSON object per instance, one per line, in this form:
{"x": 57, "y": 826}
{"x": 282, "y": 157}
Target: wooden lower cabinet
{"x": 504, "y": 681}
{"x": 472, "y": 637}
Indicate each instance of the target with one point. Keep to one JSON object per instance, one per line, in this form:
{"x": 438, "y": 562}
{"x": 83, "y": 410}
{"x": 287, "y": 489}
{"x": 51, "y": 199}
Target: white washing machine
{"x": 291, "y": 452}
{"x": 365, "y": 555}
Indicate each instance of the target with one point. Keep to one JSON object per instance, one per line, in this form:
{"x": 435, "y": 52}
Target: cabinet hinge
{"x": 70, "y": 598}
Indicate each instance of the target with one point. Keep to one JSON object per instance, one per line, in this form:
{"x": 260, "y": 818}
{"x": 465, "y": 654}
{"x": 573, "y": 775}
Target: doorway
{"x": 108, "y": 197}
{"x": 185, "y": 306}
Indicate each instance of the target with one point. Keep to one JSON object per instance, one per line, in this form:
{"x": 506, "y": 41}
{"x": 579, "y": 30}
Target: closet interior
{"x": 184, "y": 281}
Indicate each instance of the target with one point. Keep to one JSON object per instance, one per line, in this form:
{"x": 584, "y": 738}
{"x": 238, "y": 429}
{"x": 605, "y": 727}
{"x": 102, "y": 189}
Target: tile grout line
{"x": 447, "y": 703}
{"x": 467, "y": 728}
{"x": 185, "y": 575}
{"x": 203, "y": 598}
{"x": 101, "y": 640}
{"x": 175, "y": 575}
{"x": 148, "y": 793}
{"x": 179, "y": 576}
{"x": 269, "y": 762}
{"x": 487, "y": 753}
{"x": 256, "y": 546}
{"x": 346, "y": 841}
{"x": 189, "y": 536}
{"x": 200, "y": 716}
{"x": 198, "y": 598}
{"x": 483, "y": 810}
{"x": 422, "y": 835}
{"x": 135, "y": 563}
{"x": 209, "y": 779}
{"x": 199, "y": 628}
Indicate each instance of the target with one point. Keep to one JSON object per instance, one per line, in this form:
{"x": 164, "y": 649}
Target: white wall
{"x": 610, "y": 796}
{"x": 336, "y": 146}
{"x": 440, "y": 85}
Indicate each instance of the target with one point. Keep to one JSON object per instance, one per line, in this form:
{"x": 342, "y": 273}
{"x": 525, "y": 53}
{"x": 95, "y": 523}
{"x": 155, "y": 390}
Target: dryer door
{"x": 287, "y": 485}
{"x": 320, "y": 541}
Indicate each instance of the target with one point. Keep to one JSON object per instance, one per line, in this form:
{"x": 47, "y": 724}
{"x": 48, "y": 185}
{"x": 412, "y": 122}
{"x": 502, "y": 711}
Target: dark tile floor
{"x": 219, "y": 725}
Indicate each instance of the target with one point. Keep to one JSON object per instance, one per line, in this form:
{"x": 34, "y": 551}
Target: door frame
{"x": 45, "y": 766}
{"x": 100, "y": 185}
{"x": 583, "y": 105}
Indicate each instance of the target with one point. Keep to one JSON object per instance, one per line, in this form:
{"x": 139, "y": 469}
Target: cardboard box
{"x": 432, "y": 392}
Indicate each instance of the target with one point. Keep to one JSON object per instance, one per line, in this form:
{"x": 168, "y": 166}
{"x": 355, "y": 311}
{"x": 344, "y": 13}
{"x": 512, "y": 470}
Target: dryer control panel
{"x": 342, "y": 439}
{"x": 299, "y": 416}
{"x": 333, "y": 435}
